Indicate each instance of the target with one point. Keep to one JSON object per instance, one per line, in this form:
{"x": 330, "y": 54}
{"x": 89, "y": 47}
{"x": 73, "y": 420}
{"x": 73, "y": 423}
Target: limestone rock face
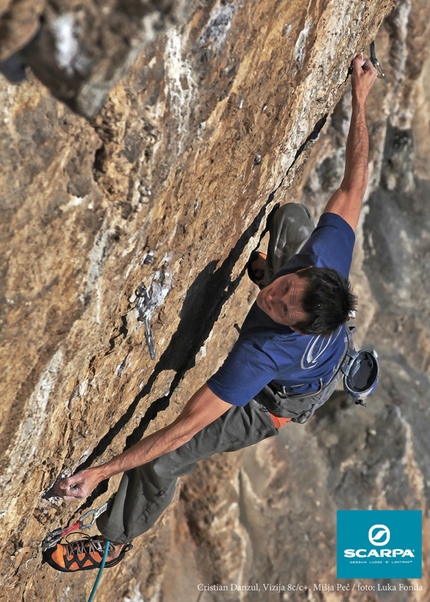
{"x": 168, "y": 188}
{"x": 19, "y": 22}
{"x": 80, "y": 49}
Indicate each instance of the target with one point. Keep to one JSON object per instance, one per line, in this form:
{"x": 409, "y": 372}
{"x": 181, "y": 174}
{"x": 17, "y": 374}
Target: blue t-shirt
{"x": 267, "y": 351}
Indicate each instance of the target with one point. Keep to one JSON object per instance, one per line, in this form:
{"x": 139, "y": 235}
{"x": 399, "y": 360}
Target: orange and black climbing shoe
{"x": 82, "y": 554}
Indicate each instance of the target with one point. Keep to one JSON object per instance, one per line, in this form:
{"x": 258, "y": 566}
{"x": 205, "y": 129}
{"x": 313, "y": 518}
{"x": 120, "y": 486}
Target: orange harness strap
{"x": 278, "y": 421}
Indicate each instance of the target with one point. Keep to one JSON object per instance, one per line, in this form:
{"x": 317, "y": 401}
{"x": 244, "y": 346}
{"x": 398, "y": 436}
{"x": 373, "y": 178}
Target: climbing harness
{"x": 358, "y": 370}
{"x": 57, "y": 535}
{"x": 375, "y": 61}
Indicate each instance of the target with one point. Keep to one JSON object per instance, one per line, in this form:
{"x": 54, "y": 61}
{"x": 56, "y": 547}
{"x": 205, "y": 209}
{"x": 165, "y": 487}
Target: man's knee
{"x": 293, "y": 212}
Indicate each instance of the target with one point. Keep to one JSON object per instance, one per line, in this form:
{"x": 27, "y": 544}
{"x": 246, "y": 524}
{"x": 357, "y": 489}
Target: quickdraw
{"x": 375, "y": 61}
{"x": 57, "y": 535}
{"x": 143, "y": 308}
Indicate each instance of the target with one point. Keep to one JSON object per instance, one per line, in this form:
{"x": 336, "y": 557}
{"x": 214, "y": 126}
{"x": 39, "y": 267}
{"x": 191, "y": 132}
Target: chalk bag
{"x": 361, "y": 373}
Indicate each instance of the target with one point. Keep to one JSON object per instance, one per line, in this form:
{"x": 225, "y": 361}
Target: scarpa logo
{"x": 390, "y": 547}
{"x": 379, "y": 535}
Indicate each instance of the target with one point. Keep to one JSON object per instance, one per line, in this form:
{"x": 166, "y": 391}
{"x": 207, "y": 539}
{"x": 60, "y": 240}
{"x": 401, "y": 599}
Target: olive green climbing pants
{"x": 146, "y": 491}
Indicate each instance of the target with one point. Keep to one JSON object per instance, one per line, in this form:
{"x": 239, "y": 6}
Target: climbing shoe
{"x": 82, "y": 555}
{"x": 256, "y": 268}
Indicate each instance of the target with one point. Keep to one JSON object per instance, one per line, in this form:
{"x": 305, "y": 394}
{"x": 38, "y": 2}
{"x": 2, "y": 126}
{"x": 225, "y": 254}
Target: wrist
{"x": 359, "y": 102}
{"x": 100, "y": 473}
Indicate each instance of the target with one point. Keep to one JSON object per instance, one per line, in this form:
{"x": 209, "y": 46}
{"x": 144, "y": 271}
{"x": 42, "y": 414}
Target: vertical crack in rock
{"x": 313, "y": 136}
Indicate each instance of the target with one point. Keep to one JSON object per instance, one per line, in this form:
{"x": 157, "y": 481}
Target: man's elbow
{"x": 202, "y": 409}
{"x": 185, "y": 438}
{"x": 354, "y": 187}
{"x": 188, "y": 428}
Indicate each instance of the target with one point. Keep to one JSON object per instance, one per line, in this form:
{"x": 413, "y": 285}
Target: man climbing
{"x": 284, "y": 365}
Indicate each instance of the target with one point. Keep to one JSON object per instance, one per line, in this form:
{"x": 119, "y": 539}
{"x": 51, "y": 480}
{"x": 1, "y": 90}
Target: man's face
{"x": 282, "y": 300}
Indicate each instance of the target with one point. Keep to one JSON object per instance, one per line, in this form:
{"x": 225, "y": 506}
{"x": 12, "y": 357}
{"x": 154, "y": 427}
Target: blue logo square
{"x": 379, "y": 544}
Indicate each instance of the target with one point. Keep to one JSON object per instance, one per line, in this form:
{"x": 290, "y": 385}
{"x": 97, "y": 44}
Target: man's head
{"x": 310, "y": 301}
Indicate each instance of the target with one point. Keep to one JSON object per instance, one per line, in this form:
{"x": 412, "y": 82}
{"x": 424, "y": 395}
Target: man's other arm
{"x": 347, "y": 200}
{"x": 202, "y": 409}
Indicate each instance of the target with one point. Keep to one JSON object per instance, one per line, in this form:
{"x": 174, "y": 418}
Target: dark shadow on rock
{"x": 201, "y": 309}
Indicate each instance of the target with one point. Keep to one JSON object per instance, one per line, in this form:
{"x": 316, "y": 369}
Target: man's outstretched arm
{"x": 202, "y": 409}
{"x": 346, "y": 201}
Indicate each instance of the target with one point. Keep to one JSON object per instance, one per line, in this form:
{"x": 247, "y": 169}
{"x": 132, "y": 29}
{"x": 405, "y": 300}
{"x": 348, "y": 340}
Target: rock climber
{"x": 283, "y": 366}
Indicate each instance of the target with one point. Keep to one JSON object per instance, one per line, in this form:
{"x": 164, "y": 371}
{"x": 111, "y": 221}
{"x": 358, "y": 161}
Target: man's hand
{"x": 79, "y": 486}
{"x": 362, "y": 78}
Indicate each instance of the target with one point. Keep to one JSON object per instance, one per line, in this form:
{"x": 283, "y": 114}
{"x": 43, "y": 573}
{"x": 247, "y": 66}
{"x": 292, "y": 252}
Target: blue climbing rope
{"x": 102, "y": 566}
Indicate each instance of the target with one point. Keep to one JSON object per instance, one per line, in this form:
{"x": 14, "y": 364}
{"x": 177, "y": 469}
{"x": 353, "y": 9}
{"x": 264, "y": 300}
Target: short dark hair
{"x": 253, "y": 257}
{"x": 328, "y": 301}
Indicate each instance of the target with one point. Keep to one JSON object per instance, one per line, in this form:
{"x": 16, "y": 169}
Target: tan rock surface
{"x": 19, "y": 22}
{"x": 80, "y": 49}
{"x": 202, "y": 136}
